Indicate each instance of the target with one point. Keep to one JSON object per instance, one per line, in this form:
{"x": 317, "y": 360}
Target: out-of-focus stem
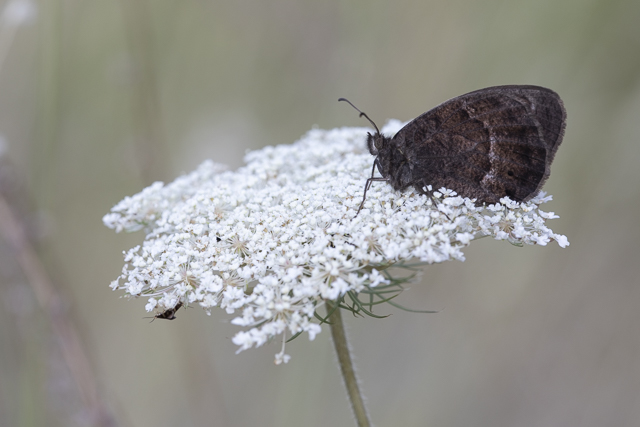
{"x": 51, "y": 303}
{"x": 346, "y": 366}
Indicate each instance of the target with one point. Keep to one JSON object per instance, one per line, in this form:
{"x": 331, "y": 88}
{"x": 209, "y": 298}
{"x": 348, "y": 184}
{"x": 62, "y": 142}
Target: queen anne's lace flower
{"x": 275, "y": 239}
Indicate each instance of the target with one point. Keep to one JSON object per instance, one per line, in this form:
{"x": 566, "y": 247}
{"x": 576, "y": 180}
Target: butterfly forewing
{"x": 487, "y": 144}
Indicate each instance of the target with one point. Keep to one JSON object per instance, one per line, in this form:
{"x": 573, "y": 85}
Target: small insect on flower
{"x": 485, "y": 145}
{"x": 169, "y": 314}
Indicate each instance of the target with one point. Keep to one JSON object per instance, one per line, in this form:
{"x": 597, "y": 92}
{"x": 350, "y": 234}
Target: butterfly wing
{"x": 494, "y": 142}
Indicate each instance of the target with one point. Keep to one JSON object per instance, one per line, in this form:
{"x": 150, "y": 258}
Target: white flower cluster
{"x": 275, "y": 239}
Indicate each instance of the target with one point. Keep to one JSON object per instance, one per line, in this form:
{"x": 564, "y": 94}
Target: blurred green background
{"x": 99, "y": 99}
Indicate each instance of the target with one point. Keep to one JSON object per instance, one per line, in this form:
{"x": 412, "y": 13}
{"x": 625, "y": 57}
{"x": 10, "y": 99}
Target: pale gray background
{"x": 99, "y": 99}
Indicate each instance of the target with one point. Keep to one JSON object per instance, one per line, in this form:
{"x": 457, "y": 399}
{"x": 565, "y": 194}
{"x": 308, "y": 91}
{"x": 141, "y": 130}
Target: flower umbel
{"x": 277, "y": 238}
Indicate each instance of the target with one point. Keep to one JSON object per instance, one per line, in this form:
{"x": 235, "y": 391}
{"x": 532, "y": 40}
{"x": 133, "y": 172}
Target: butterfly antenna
{"x": 361, "y": 113}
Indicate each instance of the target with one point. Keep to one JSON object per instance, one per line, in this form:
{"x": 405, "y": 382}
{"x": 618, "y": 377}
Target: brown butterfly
{"x": 485, "y": 145}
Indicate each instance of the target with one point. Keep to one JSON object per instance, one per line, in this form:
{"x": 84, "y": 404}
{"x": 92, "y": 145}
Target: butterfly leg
{"x": 368, "y": 185}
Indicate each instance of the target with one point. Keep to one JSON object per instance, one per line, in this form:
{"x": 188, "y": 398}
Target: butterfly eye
{"x": 378, "y": 141}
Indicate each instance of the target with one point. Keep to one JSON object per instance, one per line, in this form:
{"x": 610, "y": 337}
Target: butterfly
{"x": 485, "y": 145}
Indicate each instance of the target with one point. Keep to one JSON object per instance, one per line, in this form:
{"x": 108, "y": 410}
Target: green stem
{"x": 346, "y": 366}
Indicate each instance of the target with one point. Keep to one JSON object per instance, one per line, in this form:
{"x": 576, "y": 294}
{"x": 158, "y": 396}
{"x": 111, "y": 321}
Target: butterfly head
{"x": 375, "y": 142}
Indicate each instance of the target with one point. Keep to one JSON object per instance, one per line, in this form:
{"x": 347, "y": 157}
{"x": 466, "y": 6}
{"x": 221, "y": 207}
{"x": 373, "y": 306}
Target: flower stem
{"x": 346, "y": 366}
